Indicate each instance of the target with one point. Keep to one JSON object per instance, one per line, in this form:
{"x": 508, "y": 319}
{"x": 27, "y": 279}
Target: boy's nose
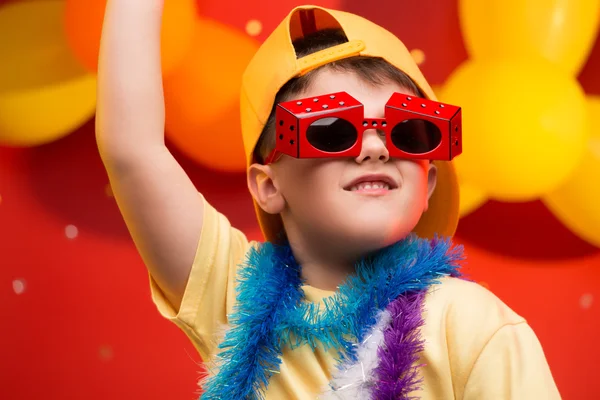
{"x": 373, "y": 147}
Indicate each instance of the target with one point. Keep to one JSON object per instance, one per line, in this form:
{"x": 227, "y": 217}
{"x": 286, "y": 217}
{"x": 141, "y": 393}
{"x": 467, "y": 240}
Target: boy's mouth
{"x": 366, "y": 186}
{"x": 371, "y": 183}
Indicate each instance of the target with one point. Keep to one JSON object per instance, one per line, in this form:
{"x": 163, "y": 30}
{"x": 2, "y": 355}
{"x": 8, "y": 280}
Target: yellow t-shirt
{"x": 476, "y": 347}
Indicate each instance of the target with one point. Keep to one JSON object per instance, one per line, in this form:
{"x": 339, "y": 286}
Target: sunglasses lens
{"x": 331, "y": 135}
{"x": 416, "y": 136}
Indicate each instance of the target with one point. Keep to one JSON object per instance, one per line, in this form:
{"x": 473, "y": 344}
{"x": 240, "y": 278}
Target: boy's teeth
{"x": 370, "y": 186}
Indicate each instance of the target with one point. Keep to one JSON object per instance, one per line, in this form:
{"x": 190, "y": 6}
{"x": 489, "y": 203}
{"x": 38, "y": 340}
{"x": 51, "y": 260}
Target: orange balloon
{"x": 202, "y": 97}
{"x": 83, "y": 25}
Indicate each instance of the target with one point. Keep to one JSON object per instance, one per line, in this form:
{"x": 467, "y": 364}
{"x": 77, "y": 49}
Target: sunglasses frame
{"x": 294, "y": 117}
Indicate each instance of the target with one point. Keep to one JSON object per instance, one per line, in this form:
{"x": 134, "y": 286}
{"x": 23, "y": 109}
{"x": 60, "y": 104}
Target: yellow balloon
{"x": 524, "y": 126}
{"x": 560, "y": 31}
{"x": 577, "y": 201}
{"x": 44, "y": 92}
{"x": 471, "y": 198}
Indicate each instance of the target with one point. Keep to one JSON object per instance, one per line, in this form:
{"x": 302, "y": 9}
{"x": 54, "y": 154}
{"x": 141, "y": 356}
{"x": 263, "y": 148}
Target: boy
{"x": 352, "y": 297}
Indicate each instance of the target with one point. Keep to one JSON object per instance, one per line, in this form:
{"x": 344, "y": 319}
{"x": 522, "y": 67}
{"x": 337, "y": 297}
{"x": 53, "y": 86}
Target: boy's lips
{"x": 373, "y": 182}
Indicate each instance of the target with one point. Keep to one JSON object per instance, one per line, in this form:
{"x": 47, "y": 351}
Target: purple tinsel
{"x": 397, "y": 373}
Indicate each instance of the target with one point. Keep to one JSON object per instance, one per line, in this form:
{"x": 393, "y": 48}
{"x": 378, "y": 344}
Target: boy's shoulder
{"x": 466, "y": 310}
{"x": 460, "y": 320}
{"x": 476, "y": 346}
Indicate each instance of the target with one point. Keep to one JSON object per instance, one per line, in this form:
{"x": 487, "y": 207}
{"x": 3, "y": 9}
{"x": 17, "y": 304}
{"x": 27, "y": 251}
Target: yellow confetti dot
{"x": 106, "y": 353}
{"x": 418, "y": 55}
{"x": 254, "y": 27}
{"x": 108, "y": 190}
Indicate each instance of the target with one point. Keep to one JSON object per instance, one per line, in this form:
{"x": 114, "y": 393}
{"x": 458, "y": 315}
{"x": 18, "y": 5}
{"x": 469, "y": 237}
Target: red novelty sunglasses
{"x": 332, "y": 125}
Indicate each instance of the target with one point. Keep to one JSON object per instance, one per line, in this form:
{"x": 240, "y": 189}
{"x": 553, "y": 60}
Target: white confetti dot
{"x": 254, "y": 27}
{"x": 418, "y": 55}
{"x": 105, "y": 353}
{"x": 71, "y": 231}
{"x": 586, "y": 301}
{"x": 19, "y": 286}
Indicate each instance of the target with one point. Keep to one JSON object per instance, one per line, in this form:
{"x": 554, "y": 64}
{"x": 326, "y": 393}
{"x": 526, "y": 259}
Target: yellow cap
{"x": 275, "y": 63}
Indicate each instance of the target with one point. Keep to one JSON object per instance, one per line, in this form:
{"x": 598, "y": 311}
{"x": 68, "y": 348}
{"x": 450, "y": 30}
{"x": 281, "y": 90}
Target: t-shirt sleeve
{"x": 477, "y": 347}
{"x": 511, "y": 366}
{"x": 210, "y": 291}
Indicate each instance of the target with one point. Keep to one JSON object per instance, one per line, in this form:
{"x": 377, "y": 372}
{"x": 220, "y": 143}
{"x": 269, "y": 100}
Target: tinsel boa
{"x": 270, "y": 310}
{"x": 386, "y": 360}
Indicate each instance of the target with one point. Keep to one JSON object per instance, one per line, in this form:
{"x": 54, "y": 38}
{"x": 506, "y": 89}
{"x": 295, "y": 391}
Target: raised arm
{"x": 159, "y": 203}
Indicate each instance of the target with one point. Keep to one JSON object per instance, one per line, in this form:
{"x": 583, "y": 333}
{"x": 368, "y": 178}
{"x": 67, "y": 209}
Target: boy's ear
{"x": 431, "y": 182}
{"x": 263, "y": 186}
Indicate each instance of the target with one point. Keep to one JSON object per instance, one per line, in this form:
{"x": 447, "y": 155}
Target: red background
{"x": 84, "y": 325}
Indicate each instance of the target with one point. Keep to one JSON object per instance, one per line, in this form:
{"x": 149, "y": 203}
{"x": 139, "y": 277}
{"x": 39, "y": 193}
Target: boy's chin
{"x": 387, "y": 227}
{"x": 371, "y": 237}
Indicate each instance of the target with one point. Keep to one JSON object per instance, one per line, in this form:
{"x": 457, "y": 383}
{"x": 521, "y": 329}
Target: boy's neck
{"x": 326, "y": 260}
{"x": 326, "y": 276}
{"x": 323, "y": 267}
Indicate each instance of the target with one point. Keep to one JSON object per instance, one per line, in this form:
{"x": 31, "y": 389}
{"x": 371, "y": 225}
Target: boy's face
{"x": 319, "y": 200}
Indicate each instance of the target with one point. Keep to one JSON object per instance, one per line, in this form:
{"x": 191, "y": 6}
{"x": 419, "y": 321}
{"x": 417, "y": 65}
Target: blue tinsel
{"x": 270, "y": 309}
